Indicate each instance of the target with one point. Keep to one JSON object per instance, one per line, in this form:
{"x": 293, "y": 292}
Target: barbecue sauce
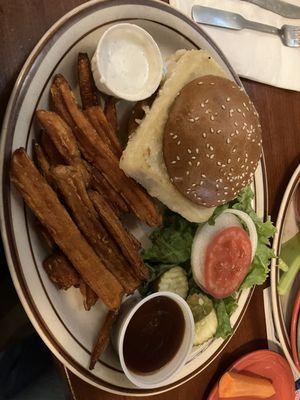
{"x": 154, "y": 335}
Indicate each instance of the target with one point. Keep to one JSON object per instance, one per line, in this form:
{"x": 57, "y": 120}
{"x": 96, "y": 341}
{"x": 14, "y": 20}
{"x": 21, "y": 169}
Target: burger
{"x": 200, "y": 143}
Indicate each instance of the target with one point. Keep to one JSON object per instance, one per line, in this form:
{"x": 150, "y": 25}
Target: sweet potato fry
{"x": 87, "y": 86}
{"x": 110, "y": 112}
{"x": 58, "y": 103}
{"x": 43, "y": 163}
{"x": 60, "y": 134}
{"x": 127, "y": 243}
{"x": 103, "y": 187}
{"x": 50, "y": 150}
{"x": 101, "y": 156}
{"x": 96, "y": 117}
{"x": 102, "y": 338}
{"x": 44, "y": 203}
{"x": 138, "y": 113}
{"x": 89, "y": 296}
{"x": 60, "y": 271}
{"x": 71, "y": 186}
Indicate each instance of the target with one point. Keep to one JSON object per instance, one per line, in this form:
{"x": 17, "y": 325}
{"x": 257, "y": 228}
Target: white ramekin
{"x": 164, "y": 374}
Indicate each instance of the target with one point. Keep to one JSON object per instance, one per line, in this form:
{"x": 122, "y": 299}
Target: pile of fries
{"x": 77, "y": 191}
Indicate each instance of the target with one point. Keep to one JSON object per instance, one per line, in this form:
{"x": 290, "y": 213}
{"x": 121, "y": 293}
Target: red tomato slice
{"x": 227, "y": 261}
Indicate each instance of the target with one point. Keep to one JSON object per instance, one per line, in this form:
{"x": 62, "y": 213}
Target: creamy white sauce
{"x": 127, "y": 65}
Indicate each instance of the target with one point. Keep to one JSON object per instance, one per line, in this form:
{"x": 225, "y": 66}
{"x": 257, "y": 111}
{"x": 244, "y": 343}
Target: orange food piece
{"x": 234, "y": 384}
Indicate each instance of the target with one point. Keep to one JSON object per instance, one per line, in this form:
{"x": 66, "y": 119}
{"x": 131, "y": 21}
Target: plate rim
{"x": 10, "y": 248}
{"x": 277, "y": 242}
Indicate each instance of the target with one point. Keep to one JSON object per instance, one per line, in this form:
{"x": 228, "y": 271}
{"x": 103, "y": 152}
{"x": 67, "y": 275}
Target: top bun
{"x": 212, "y": 140}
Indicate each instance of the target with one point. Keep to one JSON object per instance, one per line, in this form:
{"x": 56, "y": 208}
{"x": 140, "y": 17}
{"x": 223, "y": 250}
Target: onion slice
{"x": 252, "y": 232}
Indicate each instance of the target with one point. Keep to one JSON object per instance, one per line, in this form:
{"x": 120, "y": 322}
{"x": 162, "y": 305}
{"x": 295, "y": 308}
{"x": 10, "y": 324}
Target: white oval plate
{"x": 58, "y": 316}
{"x": 286, "y": 227}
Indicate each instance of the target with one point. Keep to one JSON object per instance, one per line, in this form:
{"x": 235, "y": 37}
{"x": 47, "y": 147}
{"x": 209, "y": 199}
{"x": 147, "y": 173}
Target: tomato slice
{"x": 227, "y": 261}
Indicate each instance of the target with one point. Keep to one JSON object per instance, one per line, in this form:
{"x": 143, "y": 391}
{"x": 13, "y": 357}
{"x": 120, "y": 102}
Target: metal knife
{"x": 278, "y": 7}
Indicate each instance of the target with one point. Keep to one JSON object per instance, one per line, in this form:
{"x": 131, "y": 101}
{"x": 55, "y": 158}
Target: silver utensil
{"x": 289, "y": 34}
{"x": 278, "y": 7}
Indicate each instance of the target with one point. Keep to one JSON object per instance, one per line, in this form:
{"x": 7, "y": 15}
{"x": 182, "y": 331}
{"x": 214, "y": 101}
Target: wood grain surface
{"x": 23, "y": 22}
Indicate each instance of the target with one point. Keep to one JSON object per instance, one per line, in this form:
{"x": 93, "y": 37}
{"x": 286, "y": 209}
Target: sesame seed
{"x": 212, "y": 130}
{"x": 197, "y": 150}
{"x": 171, "y": 179}
{"x": 171, "y": 133}
{"x": 212, "y": 83}
{"x": 244, "y": 115}
{"x": 219, "y": 201}
{"x": 212, "y": 156}
{"x": 228, "y": 99}
{"x": 207, "y": 145}
{"x": 219, "y": 163}
{"x": 194, "y": 184}
{"x": 227, "y": 140}
{"x": 204, "y": 134}
{"x": 202, "y": 105}
{"x": 193, "y": 158}
{"x": 236, "y": 131}
{"x": 229, "y": 161}
{"x": 178, "y": 143}
{"x": 173, "y": 162}
{"x": 219, "y": 131}
{"x": 175, "y": 137}
{"x": 196, "y": 118}
{"x": 207, "y": 155}
{"x": 222, "y": 106}
{"x": 212, "y": 117}
{"x": 190, "y": 163}
{"x": 236, "y": 124}
{"x": 203, "y": 175}
{"x": 234, "y": 150}
{"x": 232, "y": 134}
{"x": 195, "y": 194}
{"x": 211, "y": 148}
{"x": 187, "y": 172}
{"x": 226, "y": 193}
{"x": 178, "y": 158}
{"x": 191, "y": 119}
{"x": 189, "y": 151}
{"x": 244, "y": 104}
{"x": 198, "y": 163}
{"x": 200, "y": 83}
{"x": 242, "y": 166}
{"x": 206, "y": 101}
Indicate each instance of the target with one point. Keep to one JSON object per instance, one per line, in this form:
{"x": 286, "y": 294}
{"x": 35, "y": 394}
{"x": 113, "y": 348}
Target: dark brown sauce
{"x": 154, "y": 335}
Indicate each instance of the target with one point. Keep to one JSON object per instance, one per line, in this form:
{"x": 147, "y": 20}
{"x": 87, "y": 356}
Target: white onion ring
{"x": 250, "y": 226}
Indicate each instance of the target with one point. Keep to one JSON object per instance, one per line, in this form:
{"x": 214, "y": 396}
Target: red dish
{"x": 266, "y": 364}
{"x": 294, "y": 333}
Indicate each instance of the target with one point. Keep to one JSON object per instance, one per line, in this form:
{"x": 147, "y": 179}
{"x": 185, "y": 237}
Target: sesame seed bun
{"x": 212, "y": 140}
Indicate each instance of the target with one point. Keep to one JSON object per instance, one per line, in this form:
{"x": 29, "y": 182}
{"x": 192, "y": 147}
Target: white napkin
{"x": 258, "y": 56}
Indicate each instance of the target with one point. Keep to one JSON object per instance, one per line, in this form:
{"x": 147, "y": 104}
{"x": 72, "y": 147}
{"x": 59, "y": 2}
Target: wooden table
{"x": 22, "y": 23}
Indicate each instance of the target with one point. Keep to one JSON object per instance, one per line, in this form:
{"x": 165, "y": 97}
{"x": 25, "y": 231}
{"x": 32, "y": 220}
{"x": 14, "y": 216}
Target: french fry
{"x": 102, "y": 338}
{"x": 89, "y": 296}
{"x": 87, "y": 86}
{"x": 103, "y": 187}
{"x": 110, "y": 112}
{"x": 101, "y": 156}
{"x": 58, "y": 104}
{"x": 138, "y": 113}
{"x": 98, "y": 120}
{"x": 127, "y": 243}
{"x": 60, "y": 271}
{"x": 71, "y": 186}
{"x": 44, "y": 203}
{"x": 49, "y": 149}
{"x": 43, "y": 163}
{"x": 60, "y": 134}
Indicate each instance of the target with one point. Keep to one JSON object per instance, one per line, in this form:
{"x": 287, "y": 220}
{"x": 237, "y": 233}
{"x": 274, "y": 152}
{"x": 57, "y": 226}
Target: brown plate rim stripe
{"x": 18, "y": 93}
